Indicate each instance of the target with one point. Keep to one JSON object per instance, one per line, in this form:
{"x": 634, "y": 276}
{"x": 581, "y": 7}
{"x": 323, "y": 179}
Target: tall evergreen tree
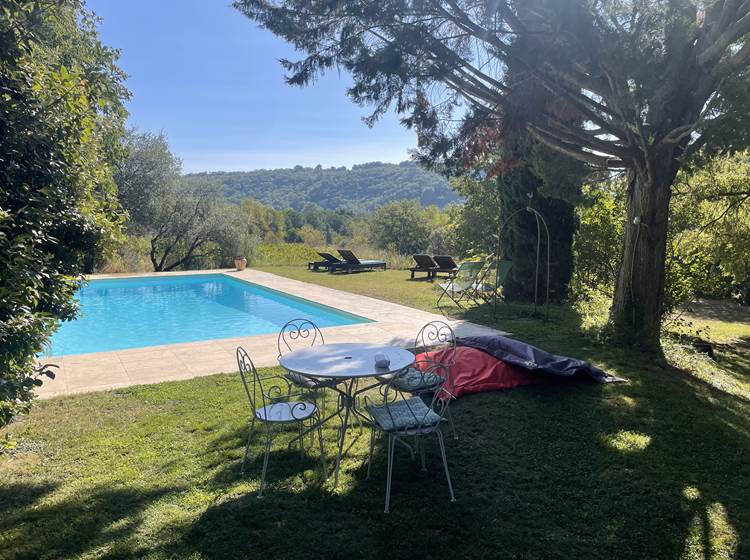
{"x": 650, "y": 83}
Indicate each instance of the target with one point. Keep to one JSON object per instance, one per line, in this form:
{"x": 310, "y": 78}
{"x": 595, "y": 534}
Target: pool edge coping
{"x": 392, "y": 323}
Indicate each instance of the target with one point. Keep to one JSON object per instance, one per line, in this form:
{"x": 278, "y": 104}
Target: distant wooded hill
{"x": 362, "y": 188}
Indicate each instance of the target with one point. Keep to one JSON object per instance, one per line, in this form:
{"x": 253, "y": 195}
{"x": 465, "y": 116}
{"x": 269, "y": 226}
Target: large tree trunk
{"x": 639, "y": 295}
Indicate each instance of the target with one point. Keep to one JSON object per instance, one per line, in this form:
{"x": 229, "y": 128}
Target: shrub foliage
{"x": 59, "y": 106}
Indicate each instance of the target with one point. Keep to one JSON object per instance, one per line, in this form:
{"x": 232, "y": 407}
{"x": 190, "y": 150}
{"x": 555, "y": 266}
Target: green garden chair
{"x": 486, "y": 286}
{"x": 462, "y": 287}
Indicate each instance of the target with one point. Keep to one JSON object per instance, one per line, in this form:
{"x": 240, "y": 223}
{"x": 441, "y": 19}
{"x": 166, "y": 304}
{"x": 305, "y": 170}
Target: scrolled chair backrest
{"x": 437, "y": 373}
{"x": 250, "y": 378}
{"x": 258, "y": 394}
{"x": 298, "y": 333}
{"x": 437, "y": 333}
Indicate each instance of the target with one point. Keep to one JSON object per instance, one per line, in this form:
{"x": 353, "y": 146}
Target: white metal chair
{"x": 272, "y": 406}
{"x": 400, "y": 418}
{"x": 435, "y": 335}
{"x": 296, "y": 334}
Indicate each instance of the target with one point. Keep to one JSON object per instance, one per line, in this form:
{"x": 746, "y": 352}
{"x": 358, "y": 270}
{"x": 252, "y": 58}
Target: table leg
{"x": 347, "y": 398}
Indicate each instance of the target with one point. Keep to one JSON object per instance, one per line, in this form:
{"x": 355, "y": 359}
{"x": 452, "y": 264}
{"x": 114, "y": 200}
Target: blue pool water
{"x": 135, "y": 312}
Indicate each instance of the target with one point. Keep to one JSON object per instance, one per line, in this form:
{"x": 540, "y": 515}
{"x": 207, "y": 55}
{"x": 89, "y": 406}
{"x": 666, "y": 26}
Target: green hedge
{"x": 283, "y": 254}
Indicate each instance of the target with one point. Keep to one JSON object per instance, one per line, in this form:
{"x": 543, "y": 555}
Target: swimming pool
{"x": 116, "y": 314}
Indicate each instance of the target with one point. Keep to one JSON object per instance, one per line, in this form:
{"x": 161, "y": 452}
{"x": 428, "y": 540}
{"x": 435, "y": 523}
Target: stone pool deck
{"x": 393, "y": 324}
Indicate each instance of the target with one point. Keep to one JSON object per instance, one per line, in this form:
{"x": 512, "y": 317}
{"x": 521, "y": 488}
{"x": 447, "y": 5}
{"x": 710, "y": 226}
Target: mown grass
{"x": 391, "y": 285}
{"x": 655, "y": 468}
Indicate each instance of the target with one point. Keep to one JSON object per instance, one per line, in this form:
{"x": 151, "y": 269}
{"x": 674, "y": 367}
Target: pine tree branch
{"x": 730, "y": 35}
{"x": 585, "y": 139}
{"x": 575, "y": 151}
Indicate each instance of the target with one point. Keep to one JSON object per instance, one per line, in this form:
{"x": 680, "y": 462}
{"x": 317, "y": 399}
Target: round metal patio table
{"x": 346, "y": 362}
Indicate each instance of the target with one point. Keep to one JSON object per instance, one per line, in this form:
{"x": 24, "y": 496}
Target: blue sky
{"x": 210, "y": 79}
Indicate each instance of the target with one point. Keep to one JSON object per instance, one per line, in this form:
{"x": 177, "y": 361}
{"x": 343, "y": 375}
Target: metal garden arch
{"x": 540, "y": 221}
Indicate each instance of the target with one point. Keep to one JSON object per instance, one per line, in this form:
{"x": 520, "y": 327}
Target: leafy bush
{"x": 597, "y": 246}
{"x": 57, "y": 202}
{"x": 592, "y": 306}
{"x": 130, "y": 255}
{"x": 710, "y": 222}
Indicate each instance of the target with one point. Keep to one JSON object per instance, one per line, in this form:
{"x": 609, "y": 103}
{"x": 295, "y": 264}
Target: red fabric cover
{"x": 475, "y": 371}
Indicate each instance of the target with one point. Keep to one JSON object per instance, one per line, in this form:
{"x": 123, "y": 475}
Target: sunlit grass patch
{"x": 711, "y": 535}
{"x": 712, "y": 372}
{"x": 691, "y": 493}
{"x": 623, "y": 403}
{"x": 626, "y": 441}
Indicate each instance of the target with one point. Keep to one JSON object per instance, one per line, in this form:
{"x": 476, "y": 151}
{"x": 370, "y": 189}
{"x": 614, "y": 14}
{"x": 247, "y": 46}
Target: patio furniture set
{"x": 471, "y": 281}
{"x": 400, "y": 395}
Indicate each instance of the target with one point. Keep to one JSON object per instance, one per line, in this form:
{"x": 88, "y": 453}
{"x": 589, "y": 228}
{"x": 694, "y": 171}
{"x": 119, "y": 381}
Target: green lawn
{"x": 655, "y": 468}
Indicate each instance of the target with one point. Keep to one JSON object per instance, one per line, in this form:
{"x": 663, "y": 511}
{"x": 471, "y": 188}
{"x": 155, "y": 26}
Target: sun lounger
{"x": 351, "y": 263}
{"x": 325, "y": 264}
{"x": 424, "y": 264}
{"x": 445, "y": 263}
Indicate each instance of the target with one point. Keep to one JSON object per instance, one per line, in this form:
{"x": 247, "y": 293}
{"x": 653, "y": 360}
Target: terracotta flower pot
{"x": 240, "y": 263}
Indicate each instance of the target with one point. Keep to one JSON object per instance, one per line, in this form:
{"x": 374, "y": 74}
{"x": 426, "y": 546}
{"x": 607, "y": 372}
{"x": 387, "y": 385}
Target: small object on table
{"x": 382, "y": 361}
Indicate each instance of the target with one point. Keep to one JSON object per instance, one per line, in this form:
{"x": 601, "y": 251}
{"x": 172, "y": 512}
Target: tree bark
{"x": 639, "y": 294}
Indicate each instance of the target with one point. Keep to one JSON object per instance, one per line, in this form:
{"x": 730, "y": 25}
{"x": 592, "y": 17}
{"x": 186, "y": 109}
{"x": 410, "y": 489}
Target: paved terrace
{"x": 394, "y": 324}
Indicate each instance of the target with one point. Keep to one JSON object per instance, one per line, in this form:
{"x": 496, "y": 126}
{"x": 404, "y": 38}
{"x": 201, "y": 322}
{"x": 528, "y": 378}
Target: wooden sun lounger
{"x": 352, "y": 263}
{"x": 424, "y": 264}
{"x": 446, "y": 264}
{"x": 324, "y": 264}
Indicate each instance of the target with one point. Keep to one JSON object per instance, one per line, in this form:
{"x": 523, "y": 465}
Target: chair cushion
{"x": 404, "y": 415}
{"x": 414, "y": 381}
{"x": 308, "y": 383}
{"x": 291, "y": 411}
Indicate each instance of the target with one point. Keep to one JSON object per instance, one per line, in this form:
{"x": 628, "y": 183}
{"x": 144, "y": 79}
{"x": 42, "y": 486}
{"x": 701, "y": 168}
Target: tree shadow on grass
{"x": 314, "y": 520}
{"x": 735, "y": 357}
{"x": 100, "y": 519}
{"x": 558, "y": 470}
{"x": 16, "y": 496}
{"x": 656, "y": 468}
